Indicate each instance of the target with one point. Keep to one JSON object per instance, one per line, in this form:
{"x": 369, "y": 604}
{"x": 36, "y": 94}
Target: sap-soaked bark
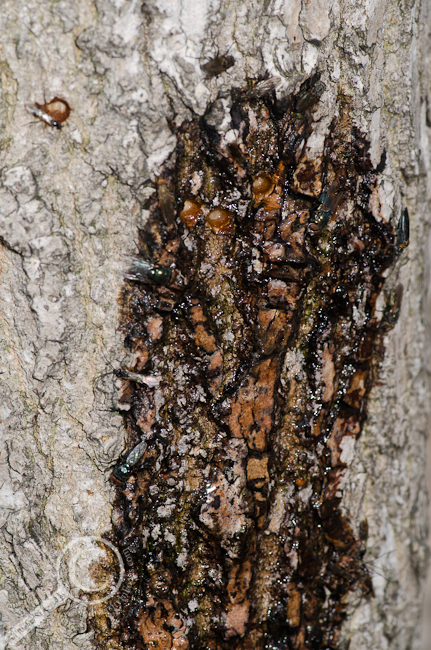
{"x": 267, "y": 341}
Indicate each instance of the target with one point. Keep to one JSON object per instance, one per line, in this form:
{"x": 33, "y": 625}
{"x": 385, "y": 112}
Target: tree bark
{"x": 280, "y": 497}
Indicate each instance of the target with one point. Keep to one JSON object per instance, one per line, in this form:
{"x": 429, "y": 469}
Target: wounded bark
{"x": 255, "y": 303}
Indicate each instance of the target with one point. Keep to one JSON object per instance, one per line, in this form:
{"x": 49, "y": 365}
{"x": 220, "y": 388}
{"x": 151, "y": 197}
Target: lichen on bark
{"x": 267, "y": 341}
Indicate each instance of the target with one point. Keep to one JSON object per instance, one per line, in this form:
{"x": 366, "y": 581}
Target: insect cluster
{"x": 252, "y": 301}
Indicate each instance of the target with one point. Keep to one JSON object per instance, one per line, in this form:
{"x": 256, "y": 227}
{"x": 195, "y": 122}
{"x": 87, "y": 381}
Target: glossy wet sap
{"x": 262, "y": 324}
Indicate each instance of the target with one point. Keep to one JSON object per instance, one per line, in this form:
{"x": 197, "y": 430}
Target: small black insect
{"x": 216, "y": 66}
{"x": 36, "y": 111}
{"x": 309, "y": 93}
{"x": 122, "y": 472}
{"x": 403, "y": 229}
{"x": 329, "y": 201}
{"x": 144, "y": 271}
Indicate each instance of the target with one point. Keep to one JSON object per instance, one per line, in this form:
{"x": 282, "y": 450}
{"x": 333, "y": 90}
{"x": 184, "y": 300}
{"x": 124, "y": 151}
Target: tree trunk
{"x": 214, "y": 336}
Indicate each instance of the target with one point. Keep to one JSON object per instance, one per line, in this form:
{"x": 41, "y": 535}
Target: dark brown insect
{"x": 58, "y": 109}
{"x": 310, "y": 92}
{"x": 403, "y": 229}
{"x": 216, "y": 66}
{"x": 263, "y": 88}
{"x": 391, "y": 312}
{"x": 166, "y": 202}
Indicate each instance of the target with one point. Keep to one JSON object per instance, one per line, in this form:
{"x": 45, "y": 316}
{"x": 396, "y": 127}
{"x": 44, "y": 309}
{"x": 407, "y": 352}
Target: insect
{"x": 309, "y": 93}
{"x": 122, "y": 472}
{"x": 148, "y": 380}
{"x": 263, "y": 88}
{"x": 392, "y": 307}
{"x": 152, "y": 381}
{"x": 34, "y": 110}
{"x": 53, "y": 113}
{"x": 216, "y": 66}
{"x": 363, "y": 530}
{"x": 403, "y": 229}
{"x": 329, "y": 201}
{"x": 144, "y": 271}
{"x": 166, "y": 203}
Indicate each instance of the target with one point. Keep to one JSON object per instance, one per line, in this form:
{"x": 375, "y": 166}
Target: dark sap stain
{"x": 250, "y": 312}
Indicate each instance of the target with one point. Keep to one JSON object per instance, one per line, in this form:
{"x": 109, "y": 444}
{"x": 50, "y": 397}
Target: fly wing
{"x": 138, "y": 269}
{"x": 136, "y": 455}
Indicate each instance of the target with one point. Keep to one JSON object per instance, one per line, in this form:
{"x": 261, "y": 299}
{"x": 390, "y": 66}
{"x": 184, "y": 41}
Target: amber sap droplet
{"x": 220, "y": 221}
{"x": 262, "y": 184}
{"x": 314, "y": 228}
{"x": 191, "y": 213}
{"x": 57, "y": 108}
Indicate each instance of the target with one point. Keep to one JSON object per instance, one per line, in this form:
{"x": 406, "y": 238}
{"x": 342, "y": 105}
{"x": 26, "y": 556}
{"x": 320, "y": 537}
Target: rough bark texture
{"x": 72, "y": 202}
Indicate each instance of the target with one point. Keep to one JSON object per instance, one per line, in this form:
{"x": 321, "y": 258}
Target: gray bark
{"x": 69, "y": 213}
